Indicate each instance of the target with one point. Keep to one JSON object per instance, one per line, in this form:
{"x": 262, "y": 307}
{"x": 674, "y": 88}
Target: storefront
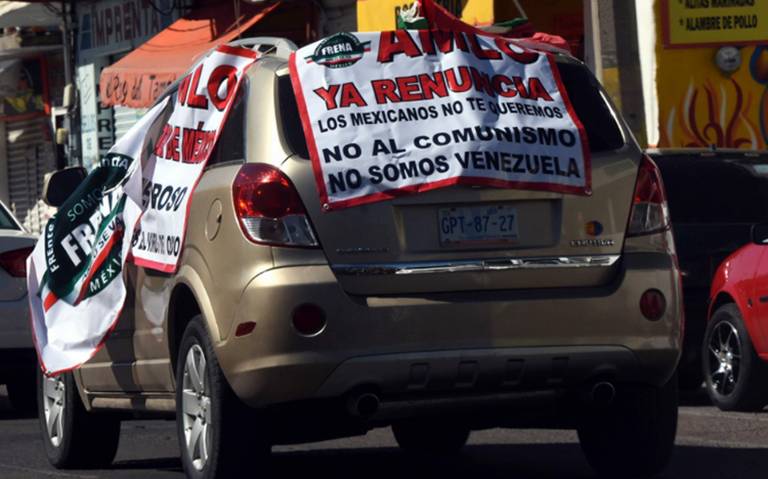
{"x": 720, "y": 98}
{"x": 108, "y": 30}
{"x": 30, "y": 84}
{"x": 139, "y": 78}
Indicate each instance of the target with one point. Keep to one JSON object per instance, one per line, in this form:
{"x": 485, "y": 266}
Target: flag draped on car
{"x": 391, "y": 113}
{"x": 133, "y": 206}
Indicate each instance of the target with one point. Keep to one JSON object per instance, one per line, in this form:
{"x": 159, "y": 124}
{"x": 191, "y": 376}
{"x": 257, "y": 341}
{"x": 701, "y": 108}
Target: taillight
{"x": 15, "y": 262}
{"x": 649, "y": 203}
{"x": 269, "y": 208}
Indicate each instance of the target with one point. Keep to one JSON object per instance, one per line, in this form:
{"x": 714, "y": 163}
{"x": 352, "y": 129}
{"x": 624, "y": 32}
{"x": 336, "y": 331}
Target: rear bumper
{"x": 452, "y": 343}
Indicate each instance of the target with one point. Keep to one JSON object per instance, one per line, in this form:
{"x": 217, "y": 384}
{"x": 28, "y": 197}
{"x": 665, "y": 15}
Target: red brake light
{"x": 263, "y": 191}
{"x": 15, "y": 262}
{"x": 649, "y": 203}
{"x": 269, "y": 208}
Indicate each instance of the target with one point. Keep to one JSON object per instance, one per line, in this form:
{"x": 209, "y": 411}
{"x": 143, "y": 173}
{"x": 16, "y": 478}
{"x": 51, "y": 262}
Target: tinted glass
{"x": 289, "y": 117}
{"x": 231, "y": 143}
{"x": 714, "y": 190}
{"x": 6, "y": 222}
{"x": 583, "y": 90}
{"x": 603, "y": 131}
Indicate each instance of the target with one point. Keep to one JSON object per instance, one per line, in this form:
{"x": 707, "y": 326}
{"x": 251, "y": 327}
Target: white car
{"x": 17, "y": 352}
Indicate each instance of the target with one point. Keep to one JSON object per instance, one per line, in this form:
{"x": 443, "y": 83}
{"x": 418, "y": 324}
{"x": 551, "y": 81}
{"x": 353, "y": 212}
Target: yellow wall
{"x": 700, "y": 106}
{"x": 376, "y": 15}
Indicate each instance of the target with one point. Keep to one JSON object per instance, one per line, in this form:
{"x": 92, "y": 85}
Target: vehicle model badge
{"x": 339, "y": 51}
{"x": 594, "y": 228}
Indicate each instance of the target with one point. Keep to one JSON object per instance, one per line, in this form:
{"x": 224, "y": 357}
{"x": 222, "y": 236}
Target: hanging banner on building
{"x": 702, "y": 23}
{"x": 141, "y": 191}
{"x": 406, "y": 111}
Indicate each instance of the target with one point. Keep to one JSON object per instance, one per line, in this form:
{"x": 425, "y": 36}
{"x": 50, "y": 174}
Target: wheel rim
{"x": 725, "y": 358}
{"x": 196, "y": 407}
{"x": 53, "y": 408}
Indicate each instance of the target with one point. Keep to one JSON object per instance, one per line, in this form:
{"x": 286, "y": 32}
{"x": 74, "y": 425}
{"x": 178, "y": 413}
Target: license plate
{"x": 477, "y": 224}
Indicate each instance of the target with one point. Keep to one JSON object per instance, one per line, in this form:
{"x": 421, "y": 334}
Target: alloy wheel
{"x": 53, "y": 405}
{"x": 725, "y": 356}
{"x": 196, "y": 407}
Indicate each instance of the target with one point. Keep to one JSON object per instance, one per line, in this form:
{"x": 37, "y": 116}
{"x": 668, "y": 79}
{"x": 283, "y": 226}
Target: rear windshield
{"x": 715, "y": 190}
{"x": 583, "y": 90}
{"x": 6, "y": 221}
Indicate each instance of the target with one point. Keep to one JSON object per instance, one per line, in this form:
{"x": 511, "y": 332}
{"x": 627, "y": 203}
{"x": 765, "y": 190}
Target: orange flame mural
{"x": 712, "y": 115}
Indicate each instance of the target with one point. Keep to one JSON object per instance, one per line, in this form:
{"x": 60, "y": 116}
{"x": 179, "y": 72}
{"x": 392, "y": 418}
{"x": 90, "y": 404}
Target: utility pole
{"x": 628, "y": 62}
{"x": 72, "y": 123}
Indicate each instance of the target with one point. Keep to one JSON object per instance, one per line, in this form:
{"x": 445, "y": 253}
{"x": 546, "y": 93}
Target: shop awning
{"x": 140, "y": 77}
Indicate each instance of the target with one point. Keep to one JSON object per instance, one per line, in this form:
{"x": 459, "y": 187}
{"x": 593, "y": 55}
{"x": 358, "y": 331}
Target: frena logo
{"x": 339, "y": 51}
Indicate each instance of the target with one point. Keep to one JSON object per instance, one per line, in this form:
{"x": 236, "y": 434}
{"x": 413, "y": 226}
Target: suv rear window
{"x": 714, "y": 190}
{"x": 583, "y": 90}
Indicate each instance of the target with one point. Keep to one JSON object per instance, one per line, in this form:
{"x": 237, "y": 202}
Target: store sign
{"x": 406, "y": 111}
{"x": 116, "y": 25}
{"x": 97, "y": 123}
{"x": 701, "y": 23}
{"x": 134, "y": 204}
{"x": 381, "y": 15}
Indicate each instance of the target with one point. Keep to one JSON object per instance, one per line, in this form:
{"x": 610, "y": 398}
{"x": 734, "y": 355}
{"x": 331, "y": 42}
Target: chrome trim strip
{"x": 472, "y": 266}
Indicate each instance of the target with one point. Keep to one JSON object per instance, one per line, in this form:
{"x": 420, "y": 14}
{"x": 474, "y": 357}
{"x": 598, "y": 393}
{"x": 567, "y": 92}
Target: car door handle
{"x": 763, "y": 299}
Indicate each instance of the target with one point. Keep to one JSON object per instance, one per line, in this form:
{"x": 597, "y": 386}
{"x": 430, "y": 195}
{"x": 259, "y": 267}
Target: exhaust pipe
{"x": 363, "y": 405}
{"x": 602, "y": 393}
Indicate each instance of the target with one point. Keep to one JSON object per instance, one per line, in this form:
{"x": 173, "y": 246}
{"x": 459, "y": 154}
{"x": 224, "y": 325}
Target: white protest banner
{"x": 180, "y": 154}
{"x": 75, "y": 273}
{"x": 398, "y": 112}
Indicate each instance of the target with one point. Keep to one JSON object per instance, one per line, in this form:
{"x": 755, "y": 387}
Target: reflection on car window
{"x": 6, "y": 221}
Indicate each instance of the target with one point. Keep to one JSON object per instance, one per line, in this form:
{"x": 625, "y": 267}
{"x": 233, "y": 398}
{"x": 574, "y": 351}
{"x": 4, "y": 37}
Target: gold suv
{"x": 288, "y": 324}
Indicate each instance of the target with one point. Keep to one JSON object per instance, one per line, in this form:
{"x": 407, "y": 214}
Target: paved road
{"x": 711, "y": 444}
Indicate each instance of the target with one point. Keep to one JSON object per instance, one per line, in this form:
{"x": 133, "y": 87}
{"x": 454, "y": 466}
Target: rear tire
{"x": 736, "y": 378}
{"x": 73, "y": 437}
{"x": 218, "y": 435}
{"x": 635, "y": 436}
{"x": 427, "y": 437}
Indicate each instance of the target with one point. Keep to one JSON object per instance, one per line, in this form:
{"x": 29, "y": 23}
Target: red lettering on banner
{"x": 466, "y": 80}
{"x": 536, "y": 90}
{"x": 173, "y": 145}
{"x": 409, "y": 87}
{"x": 183, "y": 89}
{"x": 385, "y": 91}
{"x": 482, "y": 82}
{"x": 480, "y": 52}
{"x": 395, "y": 43}
{"x": 433, "y": 42}
{"x": 433, "y": 86}
{"x": 458, "y": 80}
{"x": 499, "y": 81}
{"x": 351, "y": 96}
{"x": 219, "y": 75}
{"x": 328, "y": 95}
{"x": 162, "y": 140}
{"x": 516, "y": 52}
{"x": 188, "y": 91}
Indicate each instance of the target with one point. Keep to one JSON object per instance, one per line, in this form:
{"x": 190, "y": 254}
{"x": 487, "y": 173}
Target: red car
{"x": 736, "y": 339}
